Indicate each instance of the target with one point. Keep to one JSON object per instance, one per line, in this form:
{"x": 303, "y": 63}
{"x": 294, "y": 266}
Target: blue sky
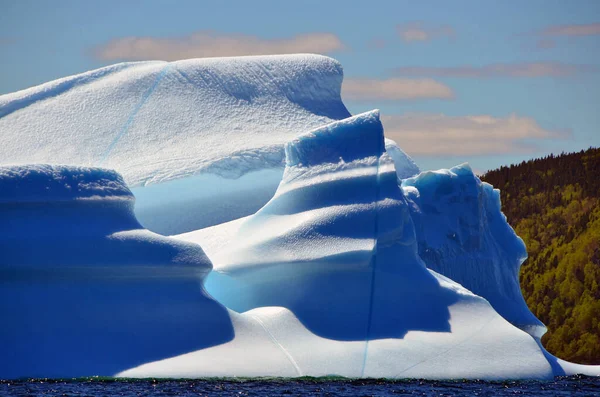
{"x": 488, "y": 82}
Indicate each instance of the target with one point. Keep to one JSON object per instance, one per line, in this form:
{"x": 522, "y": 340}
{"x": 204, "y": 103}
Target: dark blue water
{"x": 565, "y": 386}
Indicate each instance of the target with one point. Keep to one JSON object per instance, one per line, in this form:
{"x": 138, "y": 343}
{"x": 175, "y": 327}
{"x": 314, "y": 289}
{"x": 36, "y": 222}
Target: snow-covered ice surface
{"x": 223, "y": 119}
{"x": 84, "y": 289}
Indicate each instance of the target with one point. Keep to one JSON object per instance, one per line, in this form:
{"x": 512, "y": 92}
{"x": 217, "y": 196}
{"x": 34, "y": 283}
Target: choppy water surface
{"x": 565, "y": 386}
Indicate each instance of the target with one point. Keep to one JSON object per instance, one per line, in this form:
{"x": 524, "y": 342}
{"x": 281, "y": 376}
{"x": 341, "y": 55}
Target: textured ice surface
{"x": 156, "y": 121}
{"x": 84, "y": 289}
{"x": 329, "y": 268}
{"x": 463, "y": 235}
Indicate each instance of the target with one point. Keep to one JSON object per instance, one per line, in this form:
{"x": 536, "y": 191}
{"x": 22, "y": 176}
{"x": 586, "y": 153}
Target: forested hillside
{"x": 553, "y": 203}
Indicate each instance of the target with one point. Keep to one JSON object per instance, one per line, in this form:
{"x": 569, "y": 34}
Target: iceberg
{"x": 339, "y": 258}
{"x": 211, "y": 129}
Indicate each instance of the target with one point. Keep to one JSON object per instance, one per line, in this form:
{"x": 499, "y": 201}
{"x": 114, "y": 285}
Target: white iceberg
{"x": 339, "y": 272}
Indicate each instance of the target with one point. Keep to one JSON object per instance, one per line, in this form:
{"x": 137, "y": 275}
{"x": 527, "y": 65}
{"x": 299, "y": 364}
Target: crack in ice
{"x": 276, "y": 342}
{"x": 135, "y": 111}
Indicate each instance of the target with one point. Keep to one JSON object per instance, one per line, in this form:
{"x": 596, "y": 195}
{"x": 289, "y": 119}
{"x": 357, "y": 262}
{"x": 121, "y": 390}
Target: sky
{"x": 486, "y": 82}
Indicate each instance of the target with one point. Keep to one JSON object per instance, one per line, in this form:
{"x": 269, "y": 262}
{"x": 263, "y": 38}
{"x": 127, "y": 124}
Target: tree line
{"x": 553, "y": 203}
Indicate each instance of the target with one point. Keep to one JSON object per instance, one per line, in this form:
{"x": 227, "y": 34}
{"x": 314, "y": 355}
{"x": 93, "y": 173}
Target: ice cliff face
{"x": 154, "y": 122}
{"x": 463, "y": 235}
{"x": 84, "y": 289}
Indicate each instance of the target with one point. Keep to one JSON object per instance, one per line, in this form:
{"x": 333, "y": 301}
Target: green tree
{"x": 553, "y": 203}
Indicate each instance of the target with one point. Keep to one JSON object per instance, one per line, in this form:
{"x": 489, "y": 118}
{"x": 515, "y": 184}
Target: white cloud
{"x": 417, "y": 31}
{"x": 394, "y": 89}
{"x": 535, "y": 69}
{"x": 211, "y": 44}
{"x": 442, "y": 135}
{"x": 547, "y": 37}
{"x": 590, "y": 29}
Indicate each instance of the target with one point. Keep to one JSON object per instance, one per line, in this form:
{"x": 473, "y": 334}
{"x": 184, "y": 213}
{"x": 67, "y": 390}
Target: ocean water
{"x": 574, "y": 386}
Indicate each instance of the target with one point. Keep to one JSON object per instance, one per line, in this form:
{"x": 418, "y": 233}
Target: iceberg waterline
{"x": 338, "y": 273}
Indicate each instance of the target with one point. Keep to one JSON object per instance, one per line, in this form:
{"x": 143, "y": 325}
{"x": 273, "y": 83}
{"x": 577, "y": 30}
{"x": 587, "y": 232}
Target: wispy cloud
{"x": 211, "y": 44}
{"x": 535, "y": 69}
{"x": 590, "y": 29}
{"x": 419, "y": 32}
{"x": 442, "y": 135}
{"x": 395, "y": 89}
{"x": 547, "y": 37}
